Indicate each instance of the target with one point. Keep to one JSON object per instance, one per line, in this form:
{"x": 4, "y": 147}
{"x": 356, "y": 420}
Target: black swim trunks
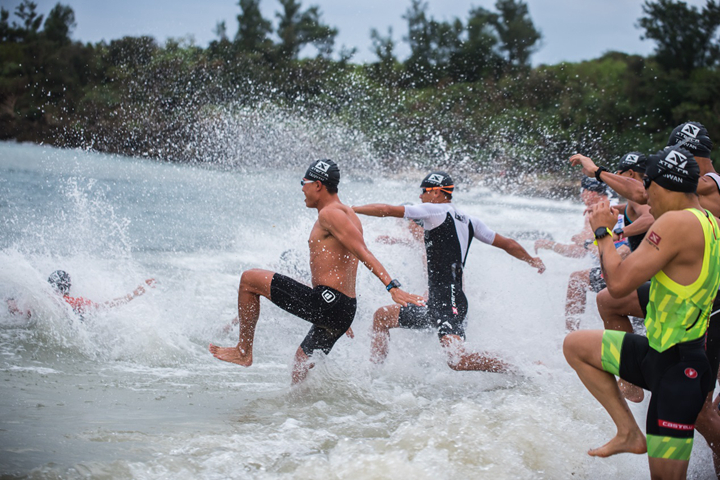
{"x": 713, "y": 332}
{"x": 446, "y": 312}
{"x": 679, "y": 379}
{"x": 597, "y": 282}
{"x": 330, "y": 311}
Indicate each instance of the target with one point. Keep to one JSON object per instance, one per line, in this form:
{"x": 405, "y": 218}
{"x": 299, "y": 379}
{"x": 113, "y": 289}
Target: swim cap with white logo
{"x": 674, "y": 169}
{"x": 692, "y": 136}
{"x": 325, "y": 171}
{"x": 439, "y": 180}
{"x": 634, "y": 161}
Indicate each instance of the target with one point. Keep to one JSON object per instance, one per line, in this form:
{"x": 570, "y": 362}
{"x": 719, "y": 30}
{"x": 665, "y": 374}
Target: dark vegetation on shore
{"x": 466, "y": 97}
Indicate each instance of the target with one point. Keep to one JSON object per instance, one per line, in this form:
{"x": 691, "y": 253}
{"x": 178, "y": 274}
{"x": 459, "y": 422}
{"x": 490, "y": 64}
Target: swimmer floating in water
{"x": 61, "y": 283}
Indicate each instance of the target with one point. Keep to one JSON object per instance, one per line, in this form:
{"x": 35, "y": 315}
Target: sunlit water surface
{"x": 132, "y": 392}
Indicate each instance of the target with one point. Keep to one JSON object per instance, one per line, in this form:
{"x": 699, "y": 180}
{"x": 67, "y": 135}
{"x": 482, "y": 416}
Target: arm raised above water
{"x": 380, "y": 210}
{"x": 339, "y": 225}
{"x": 516, "y": 250}
{"x": 627, "y": 187}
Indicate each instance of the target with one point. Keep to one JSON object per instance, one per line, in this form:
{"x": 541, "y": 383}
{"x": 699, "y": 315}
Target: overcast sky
{"x": 572, "y": 30}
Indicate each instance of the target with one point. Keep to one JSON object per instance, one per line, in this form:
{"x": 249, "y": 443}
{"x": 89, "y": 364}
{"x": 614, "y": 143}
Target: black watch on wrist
{"x": 598, "y": 172}
{"x": 619, "y": 232}
{"x": 602, "y": 232}
{"x": 392, "y": 284}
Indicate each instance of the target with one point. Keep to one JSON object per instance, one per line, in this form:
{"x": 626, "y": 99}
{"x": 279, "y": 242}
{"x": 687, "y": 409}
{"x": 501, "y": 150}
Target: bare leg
{"x": 615, "y": 313}
{"x": 253, "y": 284}
{"x": 301, "y": 366}
{"x": 708, "y": 425}
{"x": 582, "y": 350}
{"x": 384, "y": 319}
{"x": 460, "y": 359}
{"x": 666, "y": 469}
{"x": 576, "y": 298}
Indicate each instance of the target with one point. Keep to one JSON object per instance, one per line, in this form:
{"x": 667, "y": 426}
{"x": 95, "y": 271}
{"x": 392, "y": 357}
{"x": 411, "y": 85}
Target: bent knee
{"x": 385, "y": 317}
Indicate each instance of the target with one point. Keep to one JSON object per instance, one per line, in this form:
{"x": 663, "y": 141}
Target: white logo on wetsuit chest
{"x": 328, "y": 296}
{"x": 434, "y": 178}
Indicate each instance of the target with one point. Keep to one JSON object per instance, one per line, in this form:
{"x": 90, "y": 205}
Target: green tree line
{"x": 467, "y": 93}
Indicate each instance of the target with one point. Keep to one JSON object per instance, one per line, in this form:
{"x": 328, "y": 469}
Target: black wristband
{"x": 598, "y": 172}
{"x": 392, "y": 284}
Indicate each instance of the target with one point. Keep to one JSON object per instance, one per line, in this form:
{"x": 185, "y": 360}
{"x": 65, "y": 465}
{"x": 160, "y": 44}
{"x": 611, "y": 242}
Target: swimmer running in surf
{"x": 336, "y": 245}
{"x": 448, "y": 234}
{"x": 681, "y": 253}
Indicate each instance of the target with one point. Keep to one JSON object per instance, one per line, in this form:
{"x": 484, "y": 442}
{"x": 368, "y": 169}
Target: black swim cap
{"x": 325, "y": 171}
{"x": 60, "y": 281}
{"x": 674, "y": 169}
{"x": 692, "y": 136}
{"x": 593, "y": 185}
{"x": 438, "y": 180}
{"x": 634, "y": 161}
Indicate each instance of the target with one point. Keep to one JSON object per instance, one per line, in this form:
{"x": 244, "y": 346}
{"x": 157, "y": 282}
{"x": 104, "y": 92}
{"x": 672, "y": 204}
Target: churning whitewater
{"x": 131, "y": 392}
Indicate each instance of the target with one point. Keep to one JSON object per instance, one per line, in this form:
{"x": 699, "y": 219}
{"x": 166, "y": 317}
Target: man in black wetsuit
{"x": 694, "y": 137}
{"x": 448, "y": 234}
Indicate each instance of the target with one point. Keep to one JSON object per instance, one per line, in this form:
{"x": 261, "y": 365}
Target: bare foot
{"x": 631, "y": 392}
{"x": 631, "y": 443}
{"x": 231, "y": 354}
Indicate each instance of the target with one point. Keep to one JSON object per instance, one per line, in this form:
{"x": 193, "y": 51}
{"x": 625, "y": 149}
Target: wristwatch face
{"x": 601, "y": 232}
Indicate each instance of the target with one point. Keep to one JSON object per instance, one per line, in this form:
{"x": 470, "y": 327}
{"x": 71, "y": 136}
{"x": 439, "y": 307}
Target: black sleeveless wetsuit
{"x": 448, "y": 234}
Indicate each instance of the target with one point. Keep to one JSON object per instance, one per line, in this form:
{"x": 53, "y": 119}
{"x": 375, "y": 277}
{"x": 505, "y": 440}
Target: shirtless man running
{"x": 681, "y": 252}
{"x": 336, "y": 244}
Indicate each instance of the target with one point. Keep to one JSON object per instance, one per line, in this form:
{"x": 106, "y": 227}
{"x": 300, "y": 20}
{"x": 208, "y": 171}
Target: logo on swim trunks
{"x": 328, "y": 296}
{"x": 435, "y": 178}
{"x": 675, "y": 426}
{"x": 691, "y": 373}
{"x": 690, "y": 129}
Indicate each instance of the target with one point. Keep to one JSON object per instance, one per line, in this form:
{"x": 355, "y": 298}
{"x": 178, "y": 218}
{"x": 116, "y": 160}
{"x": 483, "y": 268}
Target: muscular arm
{"x": 642, "y": 223}
{"x": 380, "y": 210}
{"x": 624, "y": 276}
{"x": 339, "y": 225}
{"x": 627, "y": 187}
{"x": 516, "y": 250}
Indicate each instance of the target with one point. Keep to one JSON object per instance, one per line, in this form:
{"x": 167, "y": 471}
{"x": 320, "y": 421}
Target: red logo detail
{"x": 654, "y": 238}
{"x": 690, "y": 373}
{"x": 455, "y": 310}
{"x": 675, "y": 426}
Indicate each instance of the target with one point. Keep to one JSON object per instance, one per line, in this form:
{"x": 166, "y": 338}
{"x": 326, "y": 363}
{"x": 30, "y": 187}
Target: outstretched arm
{"x": 516, "y": 250}
{"x": 627, "y": 187}
{"x": 380, "y": 210}
{"x": 566, "y": 250}
{"x": 140, "y": 290}
{"x": 339, "y": 225}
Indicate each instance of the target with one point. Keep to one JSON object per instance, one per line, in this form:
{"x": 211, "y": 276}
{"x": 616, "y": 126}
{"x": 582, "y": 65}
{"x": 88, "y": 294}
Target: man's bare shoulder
{"x": 680, "y": 225}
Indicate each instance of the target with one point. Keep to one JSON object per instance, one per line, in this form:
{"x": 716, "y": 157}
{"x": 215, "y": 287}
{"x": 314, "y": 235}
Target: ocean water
{"x": 132, "y": 392}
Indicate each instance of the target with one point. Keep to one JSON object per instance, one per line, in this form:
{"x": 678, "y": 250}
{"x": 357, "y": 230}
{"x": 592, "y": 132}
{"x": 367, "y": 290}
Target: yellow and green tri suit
{"x": 671, "y": 362}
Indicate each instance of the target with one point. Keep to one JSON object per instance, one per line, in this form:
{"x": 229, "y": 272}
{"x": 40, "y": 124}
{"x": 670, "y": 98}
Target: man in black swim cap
{"x": 615, "y": 311}
{"x": 336, "y": 246}
{"x": 681, "y": 254}
{"x": 448, "y": 234}
{"x": 326, "y": 172}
